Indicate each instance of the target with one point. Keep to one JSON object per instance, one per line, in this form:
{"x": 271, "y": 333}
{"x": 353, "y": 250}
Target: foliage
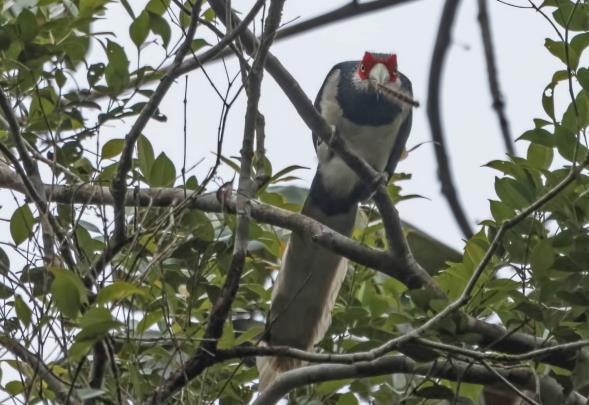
{"x": 151, "y": 302}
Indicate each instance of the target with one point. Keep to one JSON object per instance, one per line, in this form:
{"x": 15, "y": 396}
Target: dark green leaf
{"x": 539, "y": 136}
{"x": 145, "y": 155}
{"x": 199, "y": 43}
{"x": 112, "y": 148}
{"x": 68, "y": 292}
{"x": 540, "y": 156}
{"x": 570, "y": 16}
{"x": 23, "y": 312}
{"x": 548, "y": 101}
{"x": 21, "y": 224}
{"x": 119, "y": 290}
{"x": 139, "y": 29}
{"x": 27, "y": 25}
{"x": 159, "y": 26}
{"x": 163, "y": 172}
{"x": 542, "y": 258}
{"x": 510, "y": 192}
{"x": 157, "y": 7}
{"x": 117, "y": 70}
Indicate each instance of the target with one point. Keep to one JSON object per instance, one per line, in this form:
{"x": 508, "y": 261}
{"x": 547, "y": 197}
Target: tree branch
{"x": 496, "y": 336}
{"x": 33, "y": 360}
{"x": 119, "y": 182}
{"x": 433, "y": 114}
{"x": 455, "y": 370}
{"x": 498, "y": 103}
{"x": 245, "y": 193}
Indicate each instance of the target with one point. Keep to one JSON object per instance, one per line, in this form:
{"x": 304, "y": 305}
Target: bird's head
{"x": 380, "y": 69}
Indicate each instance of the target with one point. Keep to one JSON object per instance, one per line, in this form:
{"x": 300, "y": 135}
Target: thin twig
{"x": 36, "y": 363}
{"x": 119, "y": 182}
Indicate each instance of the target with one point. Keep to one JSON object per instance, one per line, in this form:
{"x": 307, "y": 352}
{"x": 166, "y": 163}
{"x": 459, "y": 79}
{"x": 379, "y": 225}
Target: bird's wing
{"x": 317, "y": 102}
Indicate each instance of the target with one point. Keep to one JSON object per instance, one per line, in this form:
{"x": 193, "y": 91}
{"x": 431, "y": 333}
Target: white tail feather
{"x": 304, "y": 294}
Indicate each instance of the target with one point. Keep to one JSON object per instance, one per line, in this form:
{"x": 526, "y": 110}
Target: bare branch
{"x": 33, "y": 360}
{"x": 455, "y": 371}
{"x": 498, "y": 103}
{"x": 433, "y": 114}
{"x": 119, "y": 182}
{"x": 30, "y": 175}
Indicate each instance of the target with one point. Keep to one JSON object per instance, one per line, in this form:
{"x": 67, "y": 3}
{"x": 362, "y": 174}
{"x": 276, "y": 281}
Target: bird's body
{"x": 376, "y": 127}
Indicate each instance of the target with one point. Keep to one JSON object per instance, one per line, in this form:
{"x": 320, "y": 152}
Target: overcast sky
{"x": 471, "y": 127}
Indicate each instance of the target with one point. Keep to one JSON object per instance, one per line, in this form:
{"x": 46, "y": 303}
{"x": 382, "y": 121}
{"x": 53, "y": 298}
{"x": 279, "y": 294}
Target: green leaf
{"x": 163, "y": 172}
{"x": 558, "y": 49}
{"x": 66, "y": 296}
{"x": 542, "y": 258}
{"x": 148, "y": 320}
{"x": 112, "y": 148}
{"x": 571, "y": 17}
{"x": 501, "y": 211}
{"x": 89, "y": 7}
{"x": 68, "y": 291}
{"x": 117, "y": 291}
{"x": 157, "y": 7}
{"x": 199, "y": 43}
{"x": 583, "y": 78}
{"x": 567, "y": 144}
{"x": 579, "y": 43}
{"x": 539, "y": 136}
{"x": 27, "y": 25}
{"x": 347, "y": 399}
{"x": 21, "y": 224}
{"x": 96, "y": 323}
{"x": 139, "y": 29}
{"x": 540, "y": 156}
{"x": 5, "y": 291}
{"x": 249, "y": 334}
{"x": 23, "y": 312}
{"x": 510, "y": 192}
{"x": 117, "y": 70}
{"x": 145, "y": 155}
{"x": 548, "y": 101}
{"x": 576, "y": 116}
{"x": 14, "y": 388}
{"x": 89, "y": 393}
{"x": 159, "y": 26}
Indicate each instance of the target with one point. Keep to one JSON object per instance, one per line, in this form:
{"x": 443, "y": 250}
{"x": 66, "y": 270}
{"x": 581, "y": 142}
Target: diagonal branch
{"x": 498, "y": 103}
{"x": 33, "y": 360}
{"x": 119, "y": 182}
{"x": 435, "y": 121}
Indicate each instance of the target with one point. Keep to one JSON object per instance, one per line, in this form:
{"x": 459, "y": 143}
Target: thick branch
{"x": 455, "y": 371}
{"x": 435, "y": 121}
{"x": 495, "y": 335}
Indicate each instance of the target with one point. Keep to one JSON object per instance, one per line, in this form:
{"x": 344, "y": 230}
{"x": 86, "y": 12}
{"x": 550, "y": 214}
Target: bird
{"x": 368, "y": 103}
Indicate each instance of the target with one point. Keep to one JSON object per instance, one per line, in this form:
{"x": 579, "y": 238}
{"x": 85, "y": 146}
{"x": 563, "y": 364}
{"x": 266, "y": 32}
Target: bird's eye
{"x": 362, "y": 68}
